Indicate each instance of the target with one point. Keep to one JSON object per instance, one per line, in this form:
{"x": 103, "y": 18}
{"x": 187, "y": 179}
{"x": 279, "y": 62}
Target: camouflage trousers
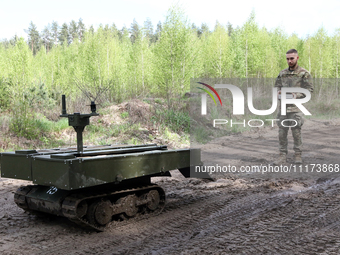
{"x": 288, "y": 121}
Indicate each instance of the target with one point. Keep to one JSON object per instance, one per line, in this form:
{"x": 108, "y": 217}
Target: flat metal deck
{"x": 67, "y": 169}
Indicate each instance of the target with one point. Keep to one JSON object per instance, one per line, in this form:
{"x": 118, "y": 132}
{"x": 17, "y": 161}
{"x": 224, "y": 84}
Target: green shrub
{"x": 33, "y": 126}
{"x": 178, "y": 121}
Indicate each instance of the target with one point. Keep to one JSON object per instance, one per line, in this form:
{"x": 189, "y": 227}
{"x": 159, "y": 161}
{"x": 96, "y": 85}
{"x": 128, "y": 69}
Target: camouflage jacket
{"x": 299, "y": 77}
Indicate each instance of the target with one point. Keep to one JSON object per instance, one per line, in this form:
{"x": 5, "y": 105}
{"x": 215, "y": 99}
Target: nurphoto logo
{"x": 238, "y": 99}
{"x": 286, "y": 96}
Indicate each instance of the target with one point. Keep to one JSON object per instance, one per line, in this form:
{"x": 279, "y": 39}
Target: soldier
{"x": 293, "y": 76}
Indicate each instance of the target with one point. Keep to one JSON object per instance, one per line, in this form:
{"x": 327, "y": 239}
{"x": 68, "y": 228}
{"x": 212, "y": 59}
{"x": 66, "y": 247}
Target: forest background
{"x": 112, "y": 65}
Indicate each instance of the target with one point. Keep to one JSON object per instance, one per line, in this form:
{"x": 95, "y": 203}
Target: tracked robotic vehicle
{"x": 94, "y": 185}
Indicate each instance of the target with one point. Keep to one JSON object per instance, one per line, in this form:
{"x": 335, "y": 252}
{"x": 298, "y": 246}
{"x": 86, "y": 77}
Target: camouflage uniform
{"x": 299, "y": 77}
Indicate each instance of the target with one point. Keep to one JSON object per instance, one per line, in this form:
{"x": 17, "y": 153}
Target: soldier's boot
{"x": 298, "y": 158}
{"x": 282, "y": 159}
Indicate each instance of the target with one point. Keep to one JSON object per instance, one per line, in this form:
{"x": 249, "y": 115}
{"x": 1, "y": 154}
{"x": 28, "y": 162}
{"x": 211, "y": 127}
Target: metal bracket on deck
{"x": 78, "y": 121}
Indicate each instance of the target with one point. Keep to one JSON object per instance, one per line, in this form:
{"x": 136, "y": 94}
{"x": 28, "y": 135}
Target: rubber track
{"x": 70, "y": 203}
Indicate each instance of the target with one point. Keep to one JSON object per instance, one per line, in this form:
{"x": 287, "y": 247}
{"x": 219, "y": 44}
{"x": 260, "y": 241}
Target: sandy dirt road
{"x": 236, "y": 214}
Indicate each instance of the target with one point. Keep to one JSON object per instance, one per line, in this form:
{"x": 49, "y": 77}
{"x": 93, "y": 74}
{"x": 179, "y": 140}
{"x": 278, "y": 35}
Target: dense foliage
{"x": 137, "y": 62}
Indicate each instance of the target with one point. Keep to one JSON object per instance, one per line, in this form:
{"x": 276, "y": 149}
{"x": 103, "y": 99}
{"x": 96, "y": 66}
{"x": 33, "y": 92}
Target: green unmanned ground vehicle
{"x": 94, "y": 185}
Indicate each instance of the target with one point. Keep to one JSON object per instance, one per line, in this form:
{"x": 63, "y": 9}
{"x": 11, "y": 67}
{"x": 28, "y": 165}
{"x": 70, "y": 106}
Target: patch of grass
{"x": 103, "y": 142}
{"x": 324, "y": 109}
{"x": 94, "y": 132}
{"x": 45, "y": 125}
{"x": 201, "y": 134}
{"x": 96, "y": 128}
{"x": 124, "y": 115}
{"x": 170, "y": 135}
{"x": 215, "y": 113}
{"x": 237, "y": 128}
{"x": 159, "y": 100}
{"x": 178, "y": 121}
{"x": 36, "y": 125}
{"x": 125, "y": 128}
{"x": 50, "y": 142}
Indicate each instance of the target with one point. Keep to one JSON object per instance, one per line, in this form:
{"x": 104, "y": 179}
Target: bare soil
{"x": 235, "y": 214}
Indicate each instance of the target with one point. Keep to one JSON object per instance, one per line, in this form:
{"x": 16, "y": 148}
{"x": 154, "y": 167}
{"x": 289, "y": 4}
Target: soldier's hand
{"x": 300, "y": 95}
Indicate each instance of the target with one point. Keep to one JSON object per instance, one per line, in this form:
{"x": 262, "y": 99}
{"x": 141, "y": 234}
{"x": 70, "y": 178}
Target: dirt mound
{"x": 138, "y": 110}
{"x": 112, "y": 115}
{"x": 133, "y": 111}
